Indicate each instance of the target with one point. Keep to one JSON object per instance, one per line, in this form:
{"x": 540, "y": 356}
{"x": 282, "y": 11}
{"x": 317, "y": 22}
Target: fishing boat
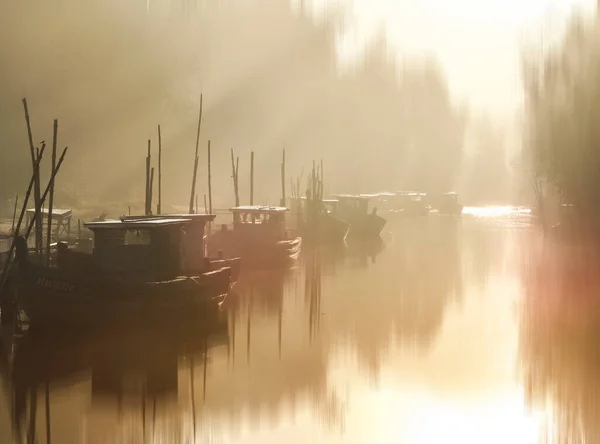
{"x": 411, "y": 204}
{"x": 447, "y": 203}
{"x": 139, "y": 270}
{"x": 354, "y": 210}
{"x": 196, "y": 234}
{"x": 258, "y": 235}
{"x": 328, "y": 227}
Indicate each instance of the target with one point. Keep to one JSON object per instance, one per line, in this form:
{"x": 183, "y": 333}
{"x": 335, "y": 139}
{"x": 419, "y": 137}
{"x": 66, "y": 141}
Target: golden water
{"x": 451, "y": 330}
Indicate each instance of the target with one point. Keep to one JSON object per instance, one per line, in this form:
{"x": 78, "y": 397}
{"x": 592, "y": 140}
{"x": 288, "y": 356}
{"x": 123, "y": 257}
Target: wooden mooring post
{"x": 195, "y": 174}
{"x": 252, "y": 178}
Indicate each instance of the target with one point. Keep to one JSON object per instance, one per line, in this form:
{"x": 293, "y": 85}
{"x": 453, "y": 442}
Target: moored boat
{"x": 327, "y": 227}
{"x": 354, "y": 210}
{"x": 258, "y": 236}
{"x": 139, "y": 270}
{"x": 447, "y": 203}
{"x": 195, "y": 230}
{"x": 411, "y": 204}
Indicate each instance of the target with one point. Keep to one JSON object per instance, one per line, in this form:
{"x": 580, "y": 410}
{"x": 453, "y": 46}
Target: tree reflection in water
{"x": 559, "y": 338}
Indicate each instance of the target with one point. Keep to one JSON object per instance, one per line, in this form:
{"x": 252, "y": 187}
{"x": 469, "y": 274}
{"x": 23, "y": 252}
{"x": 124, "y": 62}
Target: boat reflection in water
{"x": 134, "y": 373}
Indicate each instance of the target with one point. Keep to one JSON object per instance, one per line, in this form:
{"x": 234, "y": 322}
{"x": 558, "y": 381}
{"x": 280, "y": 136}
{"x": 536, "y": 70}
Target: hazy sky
{"x": 478, "y": 41}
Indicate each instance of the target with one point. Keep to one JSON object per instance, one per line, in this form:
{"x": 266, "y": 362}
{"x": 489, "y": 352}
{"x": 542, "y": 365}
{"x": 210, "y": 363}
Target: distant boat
{"x": 258, "y": 236}
{"x": 329, "y": 227}
{"x": 139, "y": 270}
{"x": 411, "y": 203}
{"x": 354, "y": 210}
{"x": 447, "y": 203}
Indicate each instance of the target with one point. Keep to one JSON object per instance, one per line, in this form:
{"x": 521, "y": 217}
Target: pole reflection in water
{"x": 440, "y": 333}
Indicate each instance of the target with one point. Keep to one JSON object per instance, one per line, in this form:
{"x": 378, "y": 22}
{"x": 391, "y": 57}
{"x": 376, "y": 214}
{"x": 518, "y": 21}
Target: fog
{"x": 271, "y": 79}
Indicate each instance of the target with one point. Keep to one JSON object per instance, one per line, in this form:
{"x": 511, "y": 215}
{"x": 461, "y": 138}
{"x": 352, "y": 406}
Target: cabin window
{"x": 137, "y": 237}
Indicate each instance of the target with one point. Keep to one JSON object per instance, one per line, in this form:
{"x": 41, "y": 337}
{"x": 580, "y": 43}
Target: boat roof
{"x": 351, "y": 196}
{"x": 410, "y": 193}
{"x": 55, "y": 211}
{"x": 381, "y": 194}
{"x": 258, "y": 209}
{"x": 322, "y": 200}
{"x": 136, "y": 224}
{"x": 192, "y": 217}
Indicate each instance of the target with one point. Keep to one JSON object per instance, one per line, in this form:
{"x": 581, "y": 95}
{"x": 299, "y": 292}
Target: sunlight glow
{"x": 482, "y": 70}
{"x": 429, "y": 420}
{"x": 495, "y": 211}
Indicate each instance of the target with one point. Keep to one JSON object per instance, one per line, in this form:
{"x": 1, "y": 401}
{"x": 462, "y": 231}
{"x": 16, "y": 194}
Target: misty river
{"x": 472, "y": 330}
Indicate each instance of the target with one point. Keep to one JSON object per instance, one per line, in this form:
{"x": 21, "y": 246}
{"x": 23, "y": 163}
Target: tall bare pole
{"x": 12, "y": 227}
{"x": 36, "y": 185}
{"x": 147, "y": 208}
{"x": 4, "y": 272}
{"x": 47, "y": 190}
{"x": 51, "y": 199}
{"x": 252, "y": 178}
{"x": 234, "y": 179}
{"x": 283, "y": 180}
{"x": 159, "y": 205}
{"x": 209, "y": 183}
{"x": 237, "y": 181}
{"x": 193, "y": 193}
{"x": 150, "y": 190}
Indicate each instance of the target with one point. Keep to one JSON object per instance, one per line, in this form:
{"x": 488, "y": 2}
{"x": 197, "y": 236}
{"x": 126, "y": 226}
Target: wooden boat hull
{"x": 254, "y": 252}
{"x": 51, "y": 296}
{"x": 369, "y": 226}
{"x": 234, "y": 263}
{"x": 333, "y": 229}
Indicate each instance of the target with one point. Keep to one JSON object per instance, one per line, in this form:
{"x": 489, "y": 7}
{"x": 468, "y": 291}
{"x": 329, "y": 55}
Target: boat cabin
{"x": 450, "y": 197}
{"x": 61, "y": 221}
{"x": 260, "y": 220}
{"x": 299, "y": 203}
{"x": 351, "y": 206}
{"x": 159, "y": 247}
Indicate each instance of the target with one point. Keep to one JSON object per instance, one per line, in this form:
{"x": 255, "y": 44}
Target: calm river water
{"x": 474, "y": 330}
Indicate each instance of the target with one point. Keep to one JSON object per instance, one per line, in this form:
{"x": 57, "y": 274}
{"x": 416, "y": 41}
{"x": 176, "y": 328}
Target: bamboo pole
{"x": 159, "y": 205}
{"x": 52, "y": 178}
{"x": 78, "y": 230}
{"x": 4, "y": 274}
{"x": 210, "y": 207}
{"x": 51, "y": 200}
{"x": 12, "y": 227}
{"x": 234, "y": 178}
{"x": 36, "y": 174}
{"x": 193, "y": 193}
{"x": 237, "y": 182}
{"x": 283, "y": 180}
{"x": 196, "y": 204}
{"x": 252, "y": 178}
{"x": 147, "y": 209}
{"x": 205, "y": 206}
{"x": 150, "y": 190}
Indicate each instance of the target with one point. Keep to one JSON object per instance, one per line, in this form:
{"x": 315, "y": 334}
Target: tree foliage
{"x": 562, "y": 100}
